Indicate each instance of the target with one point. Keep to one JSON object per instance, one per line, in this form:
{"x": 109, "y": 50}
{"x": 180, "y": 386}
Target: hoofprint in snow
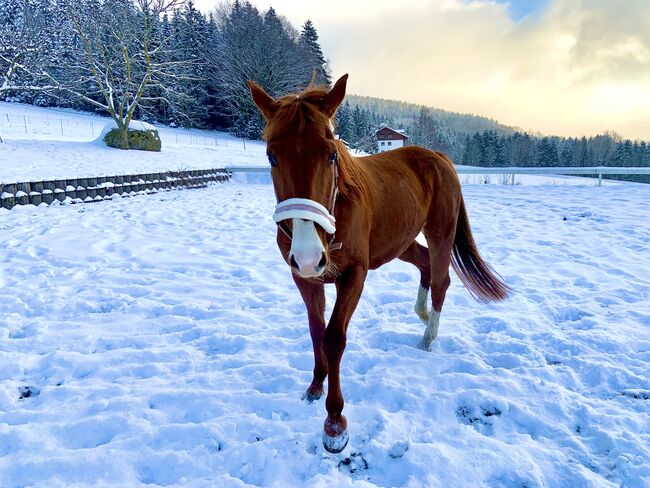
{"x": 161, "y": 341}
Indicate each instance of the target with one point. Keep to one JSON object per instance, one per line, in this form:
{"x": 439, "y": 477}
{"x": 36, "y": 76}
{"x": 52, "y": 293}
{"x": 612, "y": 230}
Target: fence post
{"x": 600, "y": 178}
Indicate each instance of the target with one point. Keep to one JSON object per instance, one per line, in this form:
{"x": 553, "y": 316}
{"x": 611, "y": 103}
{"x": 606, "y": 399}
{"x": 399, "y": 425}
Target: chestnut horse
{"x": 339, "y": 216}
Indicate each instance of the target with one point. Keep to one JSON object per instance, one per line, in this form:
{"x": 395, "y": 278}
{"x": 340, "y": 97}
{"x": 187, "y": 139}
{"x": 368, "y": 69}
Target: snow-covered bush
{"x": 143, "y": 140}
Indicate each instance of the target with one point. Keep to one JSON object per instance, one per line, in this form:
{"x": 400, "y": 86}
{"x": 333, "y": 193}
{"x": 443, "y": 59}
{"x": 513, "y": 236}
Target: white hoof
{"x": 335, "y": 444}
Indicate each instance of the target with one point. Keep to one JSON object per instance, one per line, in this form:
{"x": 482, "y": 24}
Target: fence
{"x": 513, "y": 170}
{"x": 24, "y": 125}
{"x": 86, "y": 190}
{"x": 80, "y": 129}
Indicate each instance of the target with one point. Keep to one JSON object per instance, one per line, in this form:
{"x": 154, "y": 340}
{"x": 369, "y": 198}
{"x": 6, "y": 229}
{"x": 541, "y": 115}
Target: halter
{"x": 304, "y": 208}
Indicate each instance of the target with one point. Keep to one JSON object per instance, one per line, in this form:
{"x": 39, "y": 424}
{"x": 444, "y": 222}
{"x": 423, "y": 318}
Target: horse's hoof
{"x": 424, "y": 346}
{"x": 314, "y": 392}
{"x": 310, "y": 396}
{"x": 337, "y": 443}
{"x": 335, "y": 434}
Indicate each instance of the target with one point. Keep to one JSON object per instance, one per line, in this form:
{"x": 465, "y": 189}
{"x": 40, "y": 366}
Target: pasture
{"x": 160, "y": 341}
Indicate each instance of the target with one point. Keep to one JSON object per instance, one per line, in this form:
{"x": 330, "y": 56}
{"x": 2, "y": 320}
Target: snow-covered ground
{"x": 41, "y": 144}
{"x": 160, "y": 341}
{"x": 44, "y": 144}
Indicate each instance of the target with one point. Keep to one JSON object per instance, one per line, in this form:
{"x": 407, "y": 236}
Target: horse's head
{"x": 304, "y": 166}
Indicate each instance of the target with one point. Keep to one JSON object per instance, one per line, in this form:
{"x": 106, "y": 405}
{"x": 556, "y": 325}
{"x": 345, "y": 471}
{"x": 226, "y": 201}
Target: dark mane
{"x": 299, "y": 110}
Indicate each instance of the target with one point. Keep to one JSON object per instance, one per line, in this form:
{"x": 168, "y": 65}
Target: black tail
{"x": 482, "y": 282}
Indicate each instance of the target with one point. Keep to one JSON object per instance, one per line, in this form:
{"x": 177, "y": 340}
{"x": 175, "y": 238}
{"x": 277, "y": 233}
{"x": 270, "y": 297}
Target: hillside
{"x": 404, "y": 113}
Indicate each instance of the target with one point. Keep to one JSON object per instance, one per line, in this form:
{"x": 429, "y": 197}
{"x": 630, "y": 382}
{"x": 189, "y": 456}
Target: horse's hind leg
{"x": 418, "y": 255}
{"x": 440, "y": 259}
{"x": 439, "y": 245}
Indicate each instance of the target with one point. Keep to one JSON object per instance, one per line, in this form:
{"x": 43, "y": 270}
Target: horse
{"x": 339, "y": 216}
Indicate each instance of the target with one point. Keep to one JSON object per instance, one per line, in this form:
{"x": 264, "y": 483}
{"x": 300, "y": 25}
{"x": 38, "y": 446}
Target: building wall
{"x": 388, "y": 145}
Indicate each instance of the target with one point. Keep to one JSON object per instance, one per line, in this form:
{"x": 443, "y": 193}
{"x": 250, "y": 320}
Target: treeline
{"x": 521, "y": 149}
{"x": 171, "y": 62}
{"x": 498, "y": 146}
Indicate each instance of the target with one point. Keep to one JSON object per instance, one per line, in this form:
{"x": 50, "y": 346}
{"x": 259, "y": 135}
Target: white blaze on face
{"x": 306, "y": 247}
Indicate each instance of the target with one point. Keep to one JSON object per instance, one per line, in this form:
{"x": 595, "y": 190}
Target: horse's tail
{"x": 482, "y": 282}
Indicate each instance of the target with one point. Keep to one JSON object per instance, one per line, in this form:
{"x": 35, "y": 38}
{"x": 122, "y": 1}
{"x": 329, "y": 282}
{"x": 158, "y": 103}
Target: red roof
{"x": 388, "y": 134}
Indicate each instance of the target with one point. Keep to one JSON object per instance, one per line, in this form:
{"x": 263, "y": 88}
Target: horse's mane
{"x": 297, "y": 110}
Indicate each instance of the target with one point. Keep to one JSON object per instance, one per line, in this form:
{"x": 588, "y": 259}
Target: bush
{"x": 142, "y": 140}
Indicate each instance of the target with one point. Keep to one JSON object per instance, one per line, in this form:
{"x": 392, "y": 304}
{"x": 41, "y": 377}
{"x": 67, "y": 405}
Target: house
{"x": 388, "y": 138}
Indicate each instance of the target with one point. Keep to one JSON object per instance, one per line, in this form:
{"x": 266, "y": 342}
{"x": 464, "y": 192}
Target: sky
{"x": 559, "y": 67}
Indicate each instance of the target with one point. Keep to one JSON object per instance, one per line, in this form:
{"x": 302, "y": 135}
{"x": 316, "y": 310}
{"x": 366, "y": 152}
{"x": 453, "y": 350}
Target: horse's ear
{"x": 333, "y": 99}
{"x": 263, "y": 100}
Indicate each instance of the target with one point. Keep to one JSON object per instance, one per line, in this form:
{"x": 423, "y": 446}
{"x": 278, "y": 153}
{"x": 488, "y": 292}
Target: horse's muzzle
{"x": 307, "y": 268}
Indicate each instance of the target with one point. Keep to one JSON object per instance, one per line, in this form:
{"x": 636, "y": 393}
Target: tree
{"x": 21, "y": 27}
{"x": 547, "y": 152}
{"x": 472, "y": 155}
{"x": 260, "y": 48}
{"x": 344, "y": 121}
{"x": 121, "y": 63}
{"x": 190, "y": 38}
{"x": 314, "y": 55}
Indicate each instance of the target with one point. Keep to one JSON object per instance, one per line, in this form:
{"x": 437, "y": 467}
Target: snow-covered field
{"x": 42, "y": 144}
{"x": 160, "y": 341}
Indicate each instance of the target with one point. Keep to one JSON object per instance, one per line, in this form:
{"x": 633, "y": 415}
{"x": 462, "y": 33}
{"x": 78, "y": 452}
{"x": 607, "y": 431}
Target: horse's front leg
{"x": 348, "y": 292}
{"x": 313, "y": 294}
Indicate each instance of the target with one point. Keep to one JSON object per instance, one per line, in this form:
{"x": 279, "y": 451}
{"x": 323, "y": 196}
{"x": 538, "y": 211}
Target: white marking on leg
{"x": 431, "y": 332}
{"x": 421, "y": 305}
{"x": 306, "y": 247}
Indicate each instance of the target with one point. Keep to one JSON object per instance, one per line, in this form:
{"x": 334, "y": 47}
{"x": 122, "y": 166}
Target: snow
{"x": 42, "y": 144}
{"x": 160, "y": 341}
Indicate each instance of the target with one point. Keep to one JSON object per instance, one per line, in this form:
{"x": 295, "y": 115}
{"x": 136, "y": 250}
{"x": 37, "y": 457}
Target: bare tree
{"x": 123, "y": 61}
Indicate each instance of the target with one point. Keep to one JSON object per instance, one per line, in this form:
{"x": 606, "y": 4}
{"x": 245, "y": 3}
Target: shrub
{"x": 142, "y": 140}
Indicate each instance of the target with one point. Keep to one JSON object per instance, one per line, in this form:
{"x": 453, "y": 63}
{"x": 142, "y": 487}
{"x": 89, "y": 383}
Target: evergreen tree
{"x": 344, "y": 121}
{"x": 313, "y": 53}
{"x": 547, "y": 152}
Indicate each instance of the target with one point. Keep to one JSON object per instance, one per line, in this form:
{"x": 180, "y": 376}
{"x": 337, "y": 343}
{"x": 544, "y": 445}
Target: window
{"x": 383, "y": 143}
{"x": 389, "y": 143}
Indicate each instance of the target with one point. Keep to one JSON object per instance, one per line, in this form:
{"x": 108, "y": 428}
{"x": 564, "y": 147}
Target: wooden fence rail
{"x": 95, "y": 189}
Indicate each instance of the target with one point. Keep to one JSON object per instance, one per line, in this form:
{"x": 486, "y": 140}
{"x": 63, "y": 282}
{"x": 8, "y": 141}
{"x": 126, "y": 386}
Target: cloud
{"x": 575, "y": 67}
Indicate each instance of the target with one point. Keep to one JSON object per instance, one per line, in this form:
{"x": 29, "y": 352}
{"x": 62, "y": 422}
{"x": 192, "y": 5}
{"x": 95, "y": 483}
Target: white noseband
{"x": 302, "y": 208}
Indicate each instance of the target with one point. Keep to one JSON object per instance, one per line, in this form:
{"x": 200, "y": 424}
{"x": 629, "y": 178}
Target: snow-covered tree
{"x": 261, "y": 48}
{"x": 21, "y": 42}
{"x": 120, "y": 64}
{"x": 314, "y": 54}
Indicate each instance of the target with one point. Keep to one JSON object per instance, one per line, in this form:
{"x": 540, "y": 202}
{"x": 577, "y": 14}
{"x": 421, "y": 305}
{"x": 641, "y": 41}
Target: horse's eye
{"x": 272, "y": 160}
{"x": 333, "y": 158}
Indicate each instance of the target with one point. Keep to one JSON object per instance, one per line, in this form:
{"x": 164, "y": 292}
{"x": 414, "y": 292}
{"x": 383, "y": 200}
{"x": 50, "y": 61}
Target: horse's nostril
{"x": 293, "y": 263}
{"x": 322, "y": 262}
